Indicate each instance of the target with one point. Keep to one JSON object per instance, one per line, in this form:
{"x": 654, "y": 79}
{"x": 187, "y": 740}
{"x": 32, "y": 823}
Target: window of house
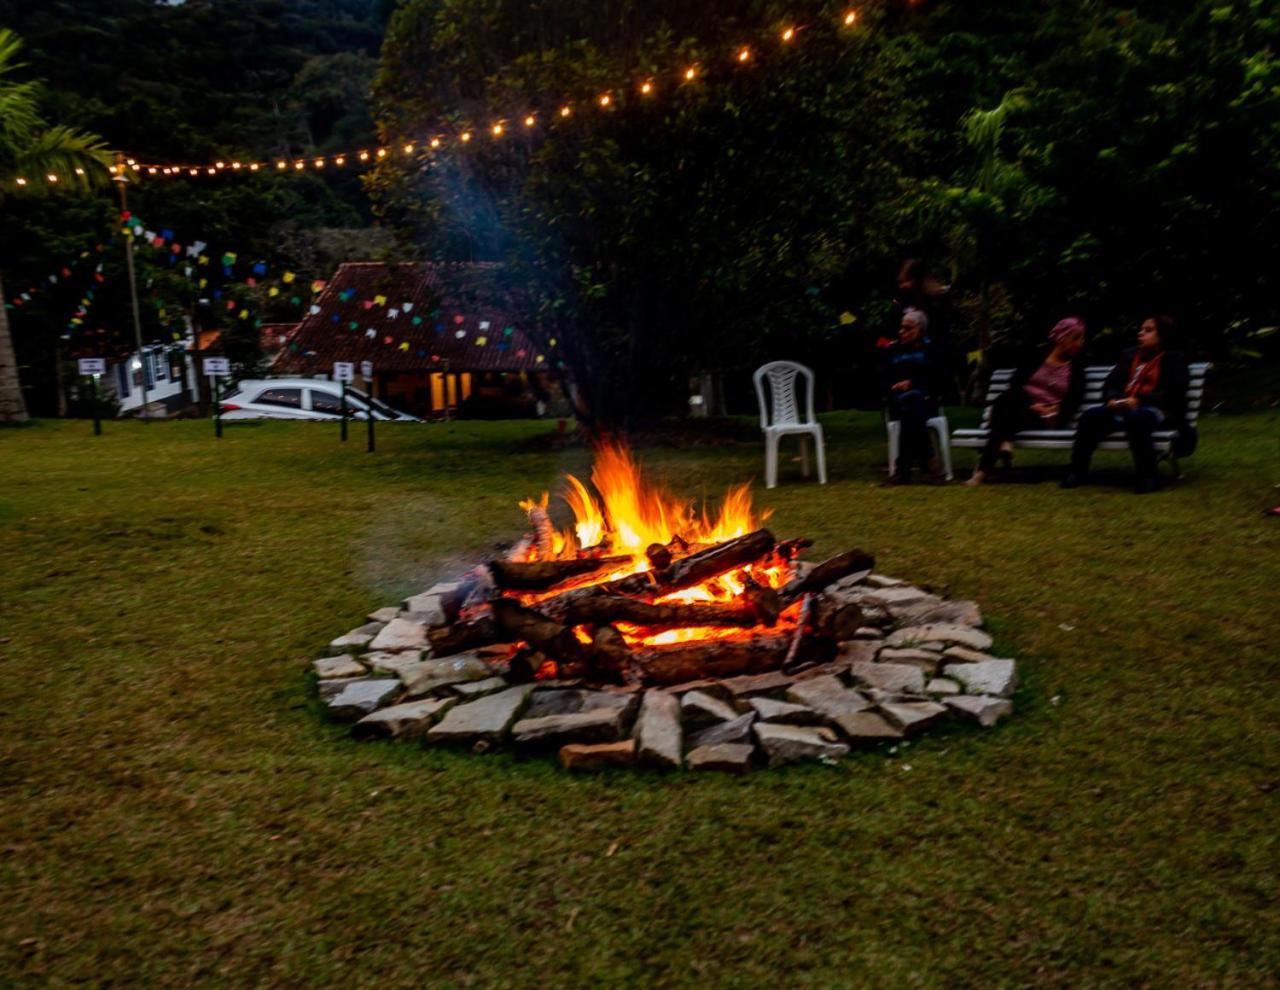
{"x": 290, "y": 398}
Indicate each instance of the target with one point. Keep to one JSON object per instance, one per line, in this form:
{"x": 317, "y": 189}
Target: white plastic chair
{"x": 780, "y": 415}
{"x": 941, "y": 431}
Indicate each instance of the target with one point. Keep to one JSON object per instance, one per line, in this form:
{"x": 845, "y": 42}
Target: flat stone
{"x": 468, "y": 690}
{"x": 357, "y": 639}
{"x": 788, "y": 712}
{"x": 753, "y": 684}
{"x": 393, "y": 663}
{"x": 925, "y": 660}
{"x": 883, "y": 581}
{"x": 833, "y": 669}
{"x": 362, "y": 696}
{"x": 383, "y": 615}
{"x": 558, "y": 701}
{"x": 429, "y": 607}
{"x": 485, "y": 720}
{"x": 737, "y": 731}
{"x": 827, "y": 696}
{"x": 998, "y": 677}
{"x": 714, "y": 688}
{"x": 589, "y": 758}
{"x": 699, "y": 710}
{"x": 407, "y": 721}
{"x": 617, "y": 701}
{"x": 900, "y": 594}
{"x": 858, "y": 651}
{"x": 898, "y": 610}
{"x": 889, "y": 676}
{"x": 943, "y": 632}
{"x": 914, "y": 716}
{"x": 724, "y": 757}
{"x": 553, "y": 731}
{"x": 659, "y": 737}
{"x": 879, "y": 697}
{"x": 784, "y": 744}
{"x": 960, "y": 613}
{"x": 334, "y": 685}
{"x": 432, "y": 675}
{"x": 986, "y": 710}
{"x": 868, "y": 632}
{"x": 867, "y": 727}
{"x": 942, "y": 685}
{"x": 340, "y": 666}
{"x": 400, "y": 634}
{"x": 966, "y": 655}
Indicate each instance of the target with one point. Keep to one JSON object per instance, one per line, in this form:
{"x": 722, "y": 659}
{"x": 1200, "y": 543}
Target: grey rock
{"x": 485, "y": 720}
{"x": 393, "y": 663}
{"x": 737, "y": 731}
{"x": 340, "y": 666}
{"x": 428, "y": 607}
{"x": 788, "y": 712}
{"x": 827, "y": 696}
{"x": 716, "y": 689}
{"x": 627, "y": 703}
{"x": 400, "y": 634}
{"x": 659, "y": 735}
{"x": 558, "y": 701}
{"x": 724, "y": 757}
{"x": 961, "y": 613}
{"x": 868, "y": 632}
{"x": 926, "y": 660}
{"x": 585, "y": 758}
{"x": 865, "y": 728}
{"x": 383, "y": 614}
{"x": 880, "y": 697}
{"x": 334, "y": 686}
{"x": 942, "y": 685}
{"x": 358, "y": 638}
{"x": 987, "y": 711}
{"x": 998, "y": 677}
{"x": 900, "y": 594}
{"x": 362, "y": 696}
{"x": 407, "y": 721}
{"x": 943, "y": 632}
{"x": 966, "y": 655}
{"x": 432, "y": 675}
{"x": 700, "y": 710}
{"x": 858, "y": 651}
{"x": 784, "y": 744}
{"x": 913, "y": 717}
{"x": 889, "y": 676}
{"x": 468, "y": 690}
{"x": 751, "y": 685}
{"x": 598, "y": 726}
{"x": 884, "y": 581}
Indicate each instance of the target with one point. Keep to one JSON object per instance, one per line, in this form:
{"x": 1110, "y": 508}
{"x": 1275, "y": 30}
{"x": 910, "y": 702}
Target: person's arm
{"x": 1114, "y": 387}
{"x": 1170, "y": 395}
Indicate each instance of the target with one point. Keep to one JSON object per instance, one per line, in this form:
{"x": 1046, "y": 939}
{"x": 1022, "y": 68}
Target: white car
{"x": 303, "y": 398}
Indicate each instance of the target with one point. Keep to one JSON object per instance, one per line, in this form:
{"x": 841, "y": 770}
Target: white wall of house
{"x": 159, "y": 364}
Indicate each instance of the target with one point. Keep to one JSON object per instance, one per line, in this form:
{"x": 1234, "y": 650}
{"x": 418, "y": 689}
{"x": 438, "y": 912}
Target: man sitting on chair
{"x": 911, "y": 377}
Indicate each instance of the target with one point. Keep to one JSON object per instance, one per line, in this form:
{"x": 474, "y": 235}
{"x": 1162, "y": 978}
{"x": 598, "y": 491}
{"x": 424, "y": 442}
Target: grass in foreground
{"x": 176, "y": 812}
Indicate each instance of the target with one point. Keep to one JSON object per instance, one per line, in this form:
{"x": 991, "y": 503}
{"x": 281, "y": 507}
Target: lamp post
{"x": 122, "y": 181}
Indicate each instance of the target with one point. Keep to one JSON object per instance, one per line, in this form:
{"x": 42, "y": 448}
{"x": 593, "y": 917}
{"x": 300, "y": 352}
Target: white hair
{"x": 918, "y": 317}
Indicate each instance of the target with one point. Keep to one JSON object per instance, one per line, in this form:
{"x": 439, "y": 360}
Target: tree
{"x": 30, "y": 149}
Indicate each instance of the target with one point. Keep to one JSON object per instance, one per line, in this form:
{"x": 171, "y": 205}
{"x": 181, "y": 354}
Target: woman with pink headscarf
{"x": 1042, "y": 395}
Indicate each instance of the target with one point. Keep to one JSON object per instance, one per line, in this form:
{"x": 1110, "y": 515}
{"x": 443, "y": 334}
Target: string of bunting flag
{"x": 535, "y": 118}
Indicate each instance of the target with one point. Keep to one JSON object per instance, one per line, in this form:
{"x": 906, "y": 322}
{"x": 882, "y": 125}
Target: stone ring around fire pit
{"x": 425, "y": 672}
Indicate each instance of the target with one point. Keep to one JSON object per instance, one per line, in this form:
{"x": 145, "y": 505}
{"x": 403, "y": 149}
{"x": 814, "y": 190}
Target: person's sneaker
{"x": 1146, "y": 486}
{"x": 1072, "y": 480}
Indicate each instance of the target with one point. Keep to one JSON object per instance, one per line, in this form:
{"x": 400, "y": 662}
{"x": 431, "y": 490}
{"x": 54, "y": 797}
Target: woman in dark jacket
{"x": 1146, "y": 391}
{"x": 1042, "y": 394}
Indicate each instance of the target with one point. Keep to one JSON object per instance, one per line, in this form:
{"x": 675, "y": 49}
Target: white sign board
{"x": 93, "y": 366}
{"x": 343, "y": 371}
{"x": 366, "y": 370}
{"x": 217, "y": 366}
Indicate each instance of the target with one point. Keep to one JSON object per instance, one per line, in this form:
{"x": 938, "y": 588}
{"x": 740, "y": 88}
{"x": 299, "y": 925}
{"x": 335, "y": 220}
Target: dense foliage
{"x": 1073, "y": 155}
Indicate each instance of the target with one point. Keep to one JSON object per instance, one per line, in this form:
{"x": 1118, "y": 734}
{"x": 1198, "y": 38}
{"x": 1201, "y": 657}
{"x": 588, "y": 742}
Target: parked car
{"x": 303, "y": 398}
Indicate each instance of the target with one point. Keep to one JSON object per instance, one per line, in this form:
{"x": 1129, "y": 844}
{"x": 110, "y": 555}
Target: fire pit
{"x": 648, "y": 633}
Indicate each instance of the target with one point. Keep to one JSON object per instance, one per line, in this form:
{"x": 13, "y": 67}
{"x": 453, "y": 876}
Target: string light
{"x": 79, "y": 171}
{"x": 646, "y": 87}
{"x": 497, "y": 130}
{"x": 788, "y": 34}
{"x": 340, "y": 160}
{"x": 364, "y": 156}
{"x": 851, "y": 18}
{"x": 22, "y": 182}
{"x": 282, "y": 165}
{"x": 299, "y": 166}
{"x": 466, "y": 136}
{"x": 382, "y": 152}
{"x": 744, "y": 55}
{"x": 690, "y": 74}
{"x": 605, "y": 100}
{"x": 530, "y": 120}
{"x": 408, "y": 149}
{"x": 435, "y": 142}
{"x": 565, "y": 111}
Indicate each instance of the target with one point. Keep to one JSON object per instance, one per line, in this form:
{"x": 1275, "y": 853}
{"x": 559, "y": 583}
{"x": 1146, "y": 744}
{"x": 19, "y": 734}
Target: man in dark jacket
{"x": 911, "y": 378}
{"x": 1145, "y": 392}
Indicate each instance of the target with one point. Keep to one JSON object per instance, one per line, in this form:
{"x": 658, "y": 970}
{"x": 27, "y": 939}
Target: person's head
{"x": 913, "y": 327}
{"x": 1067, "y": 337}
{"x": 1154, "y": 333}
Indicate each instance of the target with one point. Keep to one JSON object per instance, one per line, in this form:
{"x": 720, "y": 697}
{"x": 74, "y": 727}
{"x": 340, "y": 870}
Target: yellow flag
{"x": 846, "y": 318}
{"x": 273, "y": 291}
{"x": 287, "y": 277}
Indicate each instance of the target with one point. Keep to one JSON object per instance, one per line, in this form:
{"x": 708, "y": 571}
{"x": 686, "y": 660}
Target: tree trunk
{"x": 13, "y": 408}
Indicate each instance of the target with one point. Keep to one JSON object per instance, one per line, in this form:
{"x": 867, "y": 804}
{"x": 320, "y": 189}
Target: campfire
{"x": 643, "y": 589}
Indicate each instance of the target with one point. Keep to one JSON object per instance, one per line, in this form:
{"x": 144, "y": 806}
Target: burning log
{"x": 828, "y": 573}
{"x": 723, "y": 658}
{"x": 540, "y": 575}
{"x": 544, "y": 534}
{"x": 836, "y": 617}
{"x": 466, "y": 634}
{"x": 610, "y": 653}
{"x": 764, "y": 601}
{"x": 539, "y": 631}
{"x": 615, "y": 608}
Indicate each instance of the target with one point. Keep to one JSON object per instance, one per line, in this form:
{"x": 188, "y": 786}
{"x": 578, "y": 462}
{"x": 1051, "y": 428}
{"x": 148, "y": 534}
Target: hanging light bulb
{"x": 79, "y": 171}
{"x": 690, "y": 74}
{"x": 340, "y": 160}
{"x": 236, "y": 166}
{"x": 282, "y": 165}
{"x": 220, "y": 165}
{"x": 565, "y": 110}
{"x": 435, "y": 142}
{"x": 788, "y": 34}
{"x": 51, "y": 177}
{"x": 408, "y": 149}
{"x": 605, "y": 100}
{"x": 213, "y": 171}
{"x": 497, "y": 130}
{"x": 466, "y": 136}
{"x": 299, "y": 166}
{"x": 364, "y": 156}
{"x": 151, "y": 170}
{"x": 319, "y": 163}
{"x": 530, "y": 120}
{"x": 382, "y": 152}
{"x": 744, "y": 55}
{"x": 851, "y": 18}
{"x": 22, "y": 182}
{"x": 646, "y": 87}
{"x": 253, "y": 167}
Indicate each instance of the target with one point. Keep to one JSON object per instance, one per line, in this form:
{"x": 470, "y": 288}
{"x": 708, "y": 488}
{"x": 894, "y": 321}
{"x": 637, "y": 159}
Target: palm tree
{"x": 31, "y": 148}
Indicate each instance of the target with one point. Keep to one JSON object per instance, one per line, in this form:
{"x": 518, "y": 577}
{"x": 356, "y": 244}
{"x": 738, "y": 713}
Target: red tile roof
{"x": 412, "y": 318}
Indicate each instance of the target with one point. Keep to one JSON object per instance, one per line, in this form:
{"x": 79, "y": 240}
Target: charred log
{"x": 716, "y": 560}
{"x": 466, "y": 634}
{"x": 615, "y": 608}
{"x": 544, "y": 534}
{"x": 715, "y": 658}
{"x": 542, "y": 633}
{"x": 764, "y": 602}
{"x": 828, "y": 573}
{"x": 610, "y": 654}
{"x": 539, "y": 575}
{"x": 836, "y": 617}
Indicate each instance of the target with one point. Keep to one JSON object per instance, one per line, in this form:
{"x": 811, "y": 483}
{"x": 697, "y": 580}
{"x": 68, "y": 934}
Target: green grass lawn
{"x": 176, "y": 811}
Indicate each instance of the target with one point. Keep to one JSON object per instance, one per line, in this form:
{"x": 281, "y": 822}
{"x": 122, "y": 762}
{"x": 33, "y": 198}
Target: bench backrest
{"x": 1094, "y": 377}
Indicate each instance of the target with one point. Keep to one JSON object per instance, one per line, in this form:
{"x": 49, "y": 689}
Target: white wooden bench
{"x": 1095, "y": 376}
